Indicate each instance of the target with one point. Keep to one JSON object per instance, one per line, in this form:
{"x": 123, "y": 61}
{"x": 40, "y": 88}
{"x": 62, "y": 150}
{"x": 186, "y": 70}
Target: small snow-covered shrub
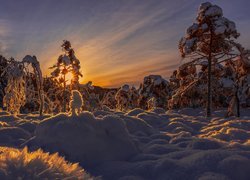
{"x": 76, "y": 102}
{"x": 21, "y": 164}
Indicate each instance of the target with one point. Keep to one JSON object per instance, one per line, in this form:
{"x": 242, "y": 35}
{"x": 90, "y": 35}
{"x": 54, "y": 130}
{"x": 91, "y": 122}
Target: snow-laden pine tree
{"x": 15, "y": 91}
{"x": 209, "y": 38}
{"x": 74, "y": 62}
{"x": 67, "y": 63}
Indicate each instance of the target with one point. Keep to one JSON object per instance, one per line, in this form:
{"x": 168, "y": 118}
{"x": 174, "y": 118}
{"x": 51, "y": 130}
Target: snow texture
{"x": 150, "y": 145}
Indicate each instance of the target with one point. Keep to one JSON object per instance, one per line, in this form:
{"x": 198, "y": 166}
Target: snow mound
{"x": 236, "y": 167}
{"x": 86, "y": 139}
{"x": 135, "y": 112}
{"x": 13, "y": 136}
{"x": 138, "y": 126}
{"x": 158, "y": 110}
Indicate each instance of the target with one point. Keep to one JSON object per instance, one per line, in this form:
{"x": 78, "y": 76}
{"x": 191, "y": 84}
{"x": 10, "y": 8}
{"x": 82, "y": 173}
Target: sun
{"x": 69, "y": 77}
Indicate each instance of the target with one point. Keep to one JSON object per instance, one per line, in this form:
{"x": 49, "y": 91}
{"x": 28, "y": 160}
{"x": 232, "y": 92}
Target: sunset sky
{"x": 117, "y": 41}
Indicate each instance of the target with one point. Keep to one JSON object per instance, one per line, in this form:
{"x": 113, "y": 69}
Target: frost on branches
{"x": 15, "y": 90}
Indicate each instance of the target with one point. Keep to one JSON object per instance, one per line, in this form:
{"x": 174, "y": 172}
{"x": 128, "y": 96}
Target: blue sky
{"x": 117, "y": 41}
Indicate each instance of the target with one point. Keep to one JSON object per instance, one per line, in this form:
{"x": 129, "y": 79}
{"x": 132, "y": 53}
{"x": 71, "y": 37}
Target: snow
{"x": 146, "y": 144}
{"x": 189, "y": 44}
{"x": 125, "y": 88}
{"x": 192, "y": 29}
{"x": 204, "y": 6}
{"x": 65, "y": 59}
{"x": 227, "y": 83}
{"x": 213, "y": 11}
{"x": 76, "y": 102}
{"x": 85, "y": 138}
{"x": 155, "y": 79}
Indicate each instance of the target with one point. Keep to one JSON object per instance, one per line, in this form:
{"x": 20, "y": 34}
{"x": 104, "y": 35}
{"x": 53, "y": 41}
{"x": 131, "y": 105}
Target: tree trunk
{"x": 209, "y": 91}
{"x": 209, "y": 78}
{"x": 41, "y": 102}
{"x": 64, "y": 89}
{"x": 237, "y": 101}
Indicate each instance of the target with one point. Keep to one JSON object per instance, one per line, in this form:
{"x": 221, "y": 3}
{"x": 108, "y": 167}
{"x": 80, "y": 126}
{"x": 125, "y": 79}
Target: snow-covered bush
{"x": 76, "y": 102}
{"x": 122, "y": 98}
{"x": 15, "y": 91}
{"x": 154, "y": 89}
{"x": 21, "y": 164}
{"x": 90, "y": 96}
{"x": 109, "y": 99}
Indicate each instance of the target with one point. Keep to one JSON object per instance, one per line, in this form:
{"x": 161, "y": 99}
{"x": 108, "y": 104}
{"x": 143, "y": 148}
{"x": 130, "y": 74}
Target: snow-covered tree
{"x": 67, "y": 63}
{"x": 38, "y": 76}
{"x": 154, "y": 86}
{"x": 209, "y": 38}
{"x": 3, "y": 78}
{"x": 109, "y": 99}
{"x": 74, "y": 63}
{"x": 15, "y": 91}
{"x": 122, "y": 98}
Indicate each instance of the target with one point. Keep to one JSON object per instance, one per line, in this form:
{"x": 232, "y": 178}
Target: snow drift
{"x": 86, "y": 139}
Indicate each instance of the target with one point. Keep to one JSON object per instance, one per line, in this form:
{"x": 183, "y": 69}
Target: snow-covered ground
{"x": 177, "y": 144}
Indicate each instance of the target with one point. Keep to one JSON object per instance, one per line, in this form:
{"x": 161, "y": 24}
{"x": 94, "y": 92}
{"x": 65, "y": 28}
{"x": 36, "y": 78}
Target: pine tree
{"x": 209, "y": 38}
{"x": 67, "y": 63}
